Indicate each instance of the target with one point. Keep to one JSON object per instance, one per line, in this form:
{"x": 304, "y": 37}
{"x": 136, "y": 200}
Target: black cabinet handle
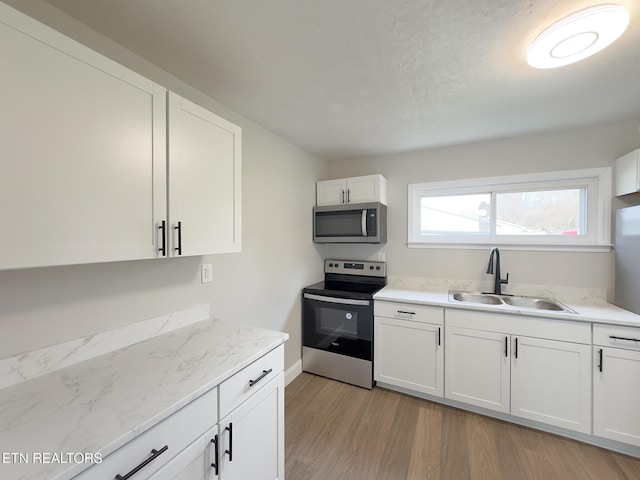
{"x": 230, "y": 451}
{"x": 264, "y": 374}
{"x": 163, "y": 227}
{"x": 179, "y": 229}
{"x": 600, "y": 364}
{"x": 348, "y": 195}
{"x": 343, "y": 197}
{"x": 516, "y": 347}
{"x": 439, "y": 336}
{"x": 506, "y": 346}
{"x": 216, "y": 455}
{"x": 154, "y": 454}
{"x": 625, "y": 338}
{"x": 404, "y": 312}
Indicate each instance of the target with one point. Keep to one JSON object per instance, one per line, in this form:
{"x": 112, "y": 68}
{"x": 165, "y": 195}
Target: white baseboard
{"x": 292, "y": 372}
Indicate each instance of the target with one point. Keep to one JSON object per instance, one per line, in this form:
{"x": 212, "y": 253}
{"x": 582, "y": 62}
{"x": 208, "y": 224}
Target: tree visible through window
{"x": 546, "y": 212}
{"x": 568, "y": 208}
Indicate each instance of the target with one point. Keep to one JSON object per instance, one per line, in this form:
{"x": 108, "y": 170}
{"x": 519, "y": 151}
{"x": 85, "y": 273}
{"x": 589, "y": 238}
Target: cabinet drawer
{"x": 409, "y": 311}
{"x": 241, "y": 386}
{"x": 175, "y": 432}
{"x": 625, "y": 337}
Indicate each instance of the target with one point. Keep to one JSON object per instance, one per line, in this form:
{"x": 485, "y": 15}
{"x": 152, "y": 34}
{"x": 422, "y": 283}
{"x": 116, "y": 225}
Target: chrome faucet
{"x": 498, "y": 282}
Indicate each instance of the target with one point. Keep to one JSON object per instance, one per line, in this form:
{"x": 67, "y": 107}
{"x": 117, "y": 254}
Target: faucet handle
{"x": 505, "y": 281}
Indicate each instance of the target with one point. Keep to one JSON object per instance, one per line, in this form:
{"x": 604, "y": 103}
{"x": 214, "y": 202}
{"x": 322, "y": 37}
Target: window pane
{"x": 455, "y": 213}
{"x": 548, "y": 212}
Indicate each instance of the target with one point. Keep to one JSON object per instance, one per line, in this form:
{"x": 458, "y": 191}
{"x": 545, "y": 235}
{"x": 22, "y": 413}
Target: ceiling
{"x": 354, "y": 78}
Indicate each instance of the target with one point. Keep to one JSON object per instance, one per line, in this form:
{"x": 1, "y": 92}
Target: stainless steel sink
{"x": 537, "y": 303}
{"x": 520, "y": 302}
{"x": 476, "y": 298}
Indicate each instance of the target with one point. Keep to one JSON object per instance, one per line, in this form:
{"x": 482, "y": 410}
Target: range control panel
{"x": 356, "y": 267}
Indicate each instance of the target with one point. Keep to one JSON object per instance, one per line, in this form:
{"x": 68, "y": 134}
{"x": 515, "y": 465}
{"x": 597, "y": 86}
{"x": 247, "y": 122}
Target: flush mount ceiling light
{"x": 578, "y": 36}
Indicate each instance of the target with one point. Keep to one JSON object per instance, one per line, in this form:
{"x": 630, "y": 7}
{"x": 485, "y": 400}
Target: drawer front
{"x": 409, "y": 311}
{"x": 175, "y": 432}
{"x": 538, "y": 327}
{"x": 249, "y": 380}
{"x": 616, "y": 336}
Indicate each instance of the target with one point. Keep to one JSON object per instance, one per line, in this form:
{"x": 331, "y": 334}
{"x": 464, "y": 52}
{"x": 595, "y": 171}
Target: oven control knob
{"x": 378, "y": 267}
{"x": 331, "y": 264}
{"x": 371, "y": 267}
{"x": 349, "y": 316}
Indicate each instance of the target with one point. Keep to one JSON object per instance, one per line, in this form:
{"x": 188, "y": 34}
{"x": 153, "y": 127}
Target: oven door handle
{"x": 363, "y": 222}
{"x": 343, "y": 301}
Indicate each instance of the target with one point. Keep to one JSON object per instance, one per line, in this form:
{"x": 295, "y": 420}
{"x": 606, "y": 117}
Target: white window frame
{"x": 597, "y": 181}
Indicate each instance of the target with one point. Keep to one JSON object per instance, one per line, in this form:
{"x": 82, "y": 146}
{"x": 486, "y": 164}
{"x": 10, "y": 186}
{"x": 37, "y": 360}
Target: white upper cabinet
{"x": 82, "y": 152}
{"x": 204, "y": 181}
{"x": 365, "y": 189}
{"x": 627, "y": 173}
{"x": 83, "y": 159}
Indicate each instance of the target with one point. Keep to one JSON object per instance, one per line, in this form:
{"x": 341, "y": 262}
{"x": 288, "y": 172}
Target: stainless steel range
{"x": 337, "y": 321}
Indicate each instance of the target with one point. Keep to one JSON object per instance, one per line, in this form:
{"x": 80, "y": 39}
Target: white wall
{"x": 260, "y": 286}
{"x": 562, "y": 150}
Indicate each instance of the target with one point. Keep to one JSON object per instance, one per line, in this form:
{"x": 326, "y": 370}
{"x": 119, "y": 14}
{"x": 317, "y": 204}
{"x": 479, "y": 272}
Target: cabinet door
{"x": 82, "y": 156}
{"x": 409, "y": 355}
{"x": 627, "y": 173}
{"x": 616, "y": 395}
{"x": 253, "y": 436}
{"x": 192, "y": 463}
{"x": 551, "y": 382}
{"x": 368, "y": 188}
{"x": 331, "y": 192}
{"x": 478, "y": 368}
{"x": 204, "y": 180}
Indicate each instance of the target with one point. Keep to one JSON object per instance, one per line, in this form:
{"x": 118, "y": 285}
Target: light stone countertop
{"x": 591, "y": 310}
{"x": 100, "y": 404}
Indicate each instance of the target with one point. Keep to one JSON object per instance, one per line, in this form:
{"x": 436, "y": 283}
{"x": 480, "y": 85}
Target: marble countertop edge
{"x": 102, "y": 403}
{"x": 592, "y": 311}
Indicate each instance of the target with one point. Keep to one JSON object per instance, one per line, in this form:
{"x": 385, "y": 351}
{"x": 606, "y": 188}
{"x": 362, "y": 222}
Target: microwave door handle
{"x": 363, "y": 222}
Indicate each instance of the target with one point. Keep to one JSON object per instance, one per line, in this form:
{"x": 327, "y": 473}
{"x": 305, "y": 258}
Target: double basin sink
{"x": 530, "y": 303}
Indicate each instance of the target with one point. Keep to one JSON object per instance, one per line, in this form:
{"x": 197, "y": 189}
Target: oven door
{"x": 338, "y": 325}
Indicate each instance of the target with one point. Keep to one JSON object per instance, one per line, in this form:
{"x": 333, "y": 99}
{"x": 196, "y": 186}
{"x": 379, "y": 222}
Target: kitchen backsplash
{"x": 26, "y": 366}
{"x": 560, "y": 293}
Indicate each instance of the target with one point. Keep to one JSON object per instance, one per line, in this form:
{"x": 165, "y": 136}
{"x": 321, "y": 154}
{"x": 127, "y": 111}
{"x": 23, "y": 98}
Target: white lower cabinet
{"x": 171, "y": 442}
{"x": 616, "y": 391}
{"x": 478, "y": 368}
{"x": 252, "y": 436}
{"x": 193, "y": 463}
{"x": 191, "y": 444}
{"x": 533, "y": 368}
{"x": 409, "y": 350}
{"x": 551, "y": 382}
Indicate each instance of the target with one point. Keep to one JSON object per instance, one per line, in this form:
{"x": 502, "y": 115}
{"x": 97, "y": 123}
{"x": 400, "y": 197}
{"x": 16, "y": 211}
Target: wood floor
{"x": 336, "y": 431}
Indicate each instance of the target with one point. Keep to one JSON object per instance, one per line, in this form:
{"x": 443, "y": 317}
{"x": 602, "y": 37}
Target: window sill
{"x": 598, "y": 248}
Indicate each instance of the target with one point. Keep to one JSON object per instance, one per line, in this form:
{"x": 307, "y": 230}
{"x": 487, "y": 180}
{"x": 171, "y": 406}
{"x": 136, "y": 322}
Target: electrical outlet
{"x": 207, "y": 273}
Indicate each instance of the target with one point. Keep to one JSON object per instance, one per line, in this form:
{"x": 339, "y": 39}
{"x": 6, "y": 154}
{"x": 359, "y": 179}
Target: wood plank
{"x": 338, "y": 431}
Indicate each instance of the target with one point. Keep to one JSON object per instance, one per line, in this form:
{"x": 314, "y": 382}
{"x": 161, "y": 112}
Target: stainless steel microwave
{"x": 351, "y": 223}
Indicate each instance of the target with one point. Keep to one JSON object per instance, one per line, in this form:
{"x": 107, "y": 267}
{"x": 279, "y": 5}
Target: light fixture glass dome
{"x": 578, "y": 36}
